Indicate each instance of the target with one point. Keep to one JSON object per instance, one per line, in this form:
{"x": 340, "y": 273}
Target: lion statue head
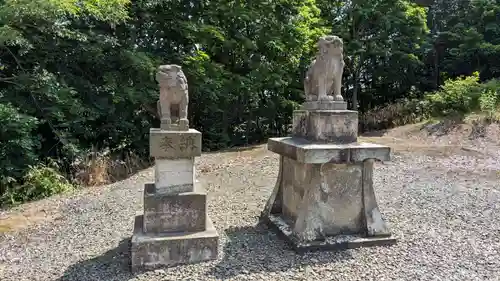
{"x": 331, "y": 45}
{"x": 169, "y": 75}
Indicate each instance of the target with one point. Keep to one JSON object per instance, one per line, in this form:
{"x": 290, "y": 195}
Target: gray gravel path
{"x": 444, "y": 210}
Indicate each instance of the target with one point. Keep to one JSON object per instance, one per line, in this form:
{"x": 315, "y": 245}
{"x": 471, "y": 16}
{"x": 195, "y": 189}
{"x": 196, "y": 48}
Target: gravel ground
{"x": 443, "y": 207}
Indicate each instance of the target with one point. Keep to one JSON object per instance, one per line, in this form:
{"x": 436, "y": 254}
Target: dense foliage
{"x": 78, "y": 76}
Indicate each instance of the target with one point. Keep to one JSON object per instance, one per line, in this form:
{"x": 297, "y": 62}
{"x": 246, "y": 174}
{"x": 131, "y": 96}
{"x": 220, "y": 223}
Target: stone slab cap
{"x": 165, "y": 213}
{"x": 324, "y": 105}
{"x": 174, "y": 144}
{"x": 305, "y": 151}
{"x": 150, "y": 251}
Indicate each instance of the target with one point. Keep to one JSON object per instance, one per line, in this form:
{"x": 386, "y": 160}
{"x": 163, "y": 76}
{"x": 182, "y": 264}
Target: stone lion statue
{"x": 174, "y": 96}
{"x": 324, "y": 75}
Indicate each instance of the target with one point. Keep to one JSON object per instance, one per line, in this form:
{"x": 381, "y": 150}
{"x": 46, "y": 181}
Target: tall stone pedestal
{"x": 175, "y": 228}
{"x": 324, "y": 197}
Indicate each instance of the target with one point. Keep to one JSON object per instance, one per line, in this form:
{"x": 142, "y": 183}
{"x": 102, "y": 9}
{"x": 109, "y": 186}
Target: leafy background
{"x": 77, "y": 77}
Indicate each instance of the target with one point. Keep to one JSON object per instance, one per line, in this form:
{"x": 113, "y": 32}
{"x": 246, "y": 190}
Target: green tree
{"x": 382, "y": 44}
{"x": 85, "y": 69}
{"x": 62, "y": 66}
{"x": 244, "y": 60}
{"x": 465, "y": 39}
{"x": 17, "y": 144}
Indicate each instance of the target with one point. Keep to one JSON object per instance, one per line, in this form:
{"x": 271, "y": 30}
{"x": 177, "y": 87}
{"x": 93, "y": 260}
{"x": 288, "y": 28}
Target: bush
{"x": 459, "y": 96}
{"x": 488, "y": 102}
{"x": 400, "y": 113}
{"x": 39, "y": 182}
{"x": 456, "y": 97}
{"x": 17, "y": 144}
{"x": 490, "y": 97}
{"x": 20, "y": 179}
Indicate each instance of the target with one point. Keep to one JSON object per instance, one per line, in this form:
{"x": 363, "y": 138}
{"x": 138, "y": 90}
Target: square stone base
{"x": 334, "y": 243}
{"x": 150, "y": 251}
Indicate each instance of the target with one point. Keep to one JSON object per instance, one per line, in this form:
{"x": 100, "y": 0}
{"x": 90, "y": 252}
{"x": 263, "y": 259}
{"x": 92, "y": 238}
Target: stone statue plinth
{"x": 175, "y": 228}
{"x": 324, "y": 105}
{"x": 326, "y": 126}
{"x": 324, "y": 197}
{"x": 174, "y": 153}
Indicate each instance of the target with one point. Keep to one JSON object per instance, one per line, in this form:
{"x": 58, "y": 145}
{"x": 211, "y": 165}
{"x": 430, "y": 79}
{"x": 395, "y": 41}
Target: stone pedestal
{"x": 324, "y": 197}
{"x": 175, "y": 228}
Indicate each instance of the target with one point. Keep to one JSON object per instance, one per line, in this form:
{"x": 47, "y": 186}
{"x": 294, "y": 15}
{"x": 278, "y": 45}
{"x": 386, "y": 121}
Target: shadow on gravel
{"x": 236, "y": 149}
{"x": 110, "y": 266}
{"x": 255, "y": 249}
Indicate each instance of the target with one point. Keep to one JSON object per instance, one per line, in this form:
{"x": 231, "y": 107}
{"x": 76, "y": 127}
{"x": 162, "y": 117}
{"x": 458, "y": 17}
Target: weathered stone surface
{"x": 305, "y": 151}
{"x": 336, "y": 126}
{"x": 324, "y": 75}
{"x": 174, "y": 97}
{"x": 174, "y": 213}
{"x": 375, "y": 224}
{"x": 174, "y": 175}
{"x": 334, "y": 243}
{"x": 315, "y": 204}
{"x": 150, "y": 251}
{"x": 300, "y": 123}
{"x": 174, "y": 144}
{"x": 324, "y": 105}
{"x": 322, "y": 199}
{"x": 326, "y": 126}
{"x": 274, "y": 204}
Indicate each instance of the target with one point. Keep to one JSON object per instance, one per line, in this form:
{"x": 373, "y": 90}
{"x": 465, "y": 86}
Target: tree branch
{"x": 2, "y": 79}
{"x": 18, "y": 62}
{"x": 9, "y": 80}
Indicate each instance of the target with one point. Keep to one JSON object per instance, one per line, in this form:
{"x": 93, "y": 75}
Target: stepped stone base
{"x": 174, "y": 212}
{"x": 324, "y": 197}
{"x": 150, "y": 251}
{"x": 334, "y": 243}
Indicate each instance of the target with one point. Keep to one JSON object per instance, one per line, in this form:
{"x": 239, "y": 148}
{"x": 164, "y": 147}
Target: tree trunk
{"x": 436, "y": 68}
{"x": 355, "y": 92}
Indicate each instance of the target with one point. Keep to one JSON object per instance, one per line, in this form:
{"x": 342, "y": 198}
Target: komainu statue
{"x": 174, "y": 97}
{"x": 324, "y": 75}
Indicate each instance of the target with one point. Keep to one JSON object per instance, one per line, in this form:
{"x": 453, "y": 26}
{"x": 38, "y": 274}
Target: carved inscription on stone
{"x": 187, "y": 143}
{"x": 167, "y": 143}
{"x": 181, "y": 142}
{"x": 175, "y": 144}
